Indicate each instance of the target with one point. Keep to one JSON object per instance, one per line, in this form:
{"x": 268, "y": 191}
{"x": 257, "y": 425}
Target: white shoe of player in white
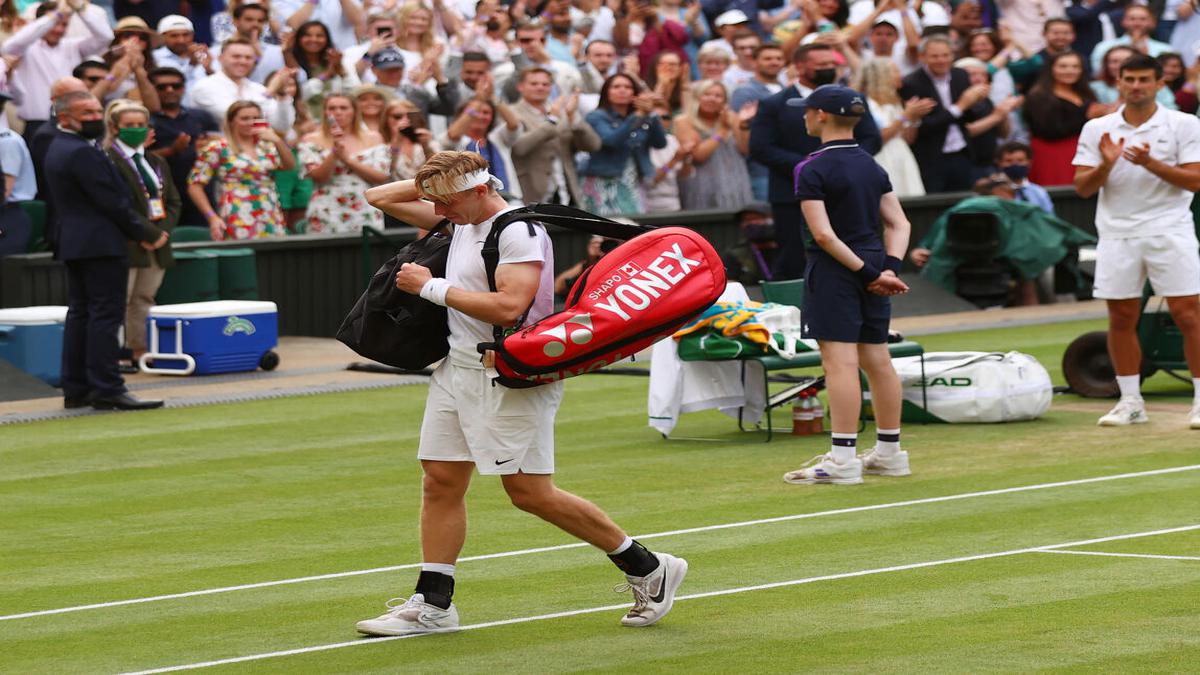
{"x": 1194, "y": 417}
{"x": 875, "y": 464}
{"x": 1127, "y": 411}
{"x": 822, "y": 469}
{"x": 654, "y": 593}
{"x": 410, "y": 616}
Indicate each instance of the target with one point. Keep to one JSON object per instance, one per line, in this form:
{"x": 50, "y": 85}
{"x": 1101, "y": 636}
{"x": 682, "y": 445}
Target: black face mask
{"x": 824, "y": 76}
{"x": 91, "y": 129}
{"x": 759, "y": 232}
{"x": 1017, "y": 172}
{"x": 493, "y": 25}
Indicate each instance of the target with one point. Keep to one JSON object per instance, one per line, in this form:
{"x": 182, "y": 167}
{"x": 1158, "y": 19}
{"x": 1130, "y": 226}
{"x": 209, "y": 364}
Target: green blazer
{"x": 138, "y": 256}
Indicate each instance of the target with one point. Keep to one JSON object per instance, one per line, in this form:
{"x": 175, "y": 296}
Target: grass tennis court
{"x": 1093, "y": 566}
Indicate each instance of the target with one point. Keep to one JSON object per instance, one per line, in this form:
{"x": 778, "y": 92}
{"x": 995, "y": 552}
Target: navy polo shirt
{"x": 851, "y": 183}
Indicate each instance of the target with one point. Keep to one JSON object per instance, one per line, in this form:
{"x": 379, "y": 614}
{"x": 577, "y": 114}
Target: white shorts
{"x": 470, "y": 419}
{"x": 1171, "y": 261}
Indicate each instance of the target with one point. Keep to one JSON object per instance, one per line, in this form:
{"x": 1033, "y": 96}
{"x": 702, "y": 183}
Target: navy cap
{"x": 833, "y": 99}
{"x": 388, "y": 58}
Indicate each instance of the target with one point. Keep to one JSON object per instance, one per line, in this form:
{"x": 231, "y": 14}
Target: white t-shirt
{"x": 465, "y": 270}
{"x": 1135, "y": 202}
{"x": 934, "y": 16}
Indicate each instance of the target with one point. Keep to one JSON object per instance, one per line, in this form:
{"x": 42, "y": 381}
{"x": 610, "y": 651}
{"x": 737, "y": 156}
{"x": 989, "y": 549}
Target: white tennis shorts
{"x": 1171, "y": 262}
{"x": 470, "y": 419}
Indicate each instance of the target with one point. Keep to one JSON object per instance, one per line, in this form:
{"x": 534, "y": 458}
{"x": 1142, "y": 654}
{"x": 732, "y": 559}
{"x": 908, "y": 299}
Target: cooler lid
{"x": 216, "y": 308}
{"x": 33, "y": 316}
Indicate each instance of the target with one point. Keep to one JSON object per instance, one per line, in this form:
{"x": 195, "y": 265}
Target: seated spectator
{"x": 941, "y": 143}
{"x": 46, "y": 55}
{"x": 628, "y": 127}
{"x": 667, "y": 80}
{"x": 314, "y": 55}
{"x": 749, "y": 262}
{"x": 985, "y": 133}
{"x": 215, "y": 93}
{"x": 343, "y": 160}
{"x": 250, "y": 21}
{"x": 1181, "y": 88}
{"x": 1105, "y": 84}
{"x": 241, "y": 163}
{"x": 1013, "y": 160}
{"x": 745, "y": 46}
{"x": 177, "y": 130}
{"x": 1031, "y": 240}
{"x": 531, "y": 39}
{"x": 712, "y": 62}
{"x": 388, "y": 66}
{"x": 719, "y": 178}
{"x": 409, "y": 141}
{"x": 671, "y": 162}
{"x": 596, "y": 248}
{"x": 551, "y": 134}
{"x": 20, "y": 185}
{"x": 1056, "y": 108}
{"x": 154, "y": 196}
{"x": 476, "y": 129}
{"x": 371, "y": 100}
{"x": 1138, "y": 23}
{"x": 343, "y": 17}
{"x": 180, "y": 51}
{"x": 879, "y": 80}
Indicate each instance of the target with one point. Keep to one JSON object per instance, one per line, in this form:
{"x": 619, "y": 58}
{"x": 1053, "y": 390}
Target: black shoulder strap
{"x": 552, "y": 214}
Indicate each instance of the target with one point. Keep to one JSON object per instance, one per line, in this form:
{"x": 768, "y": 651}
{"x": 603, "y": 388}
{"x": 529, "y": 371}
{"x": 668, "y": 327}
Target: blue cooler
{"x": 31, "y": 338}
{"x": 223, "y": 336}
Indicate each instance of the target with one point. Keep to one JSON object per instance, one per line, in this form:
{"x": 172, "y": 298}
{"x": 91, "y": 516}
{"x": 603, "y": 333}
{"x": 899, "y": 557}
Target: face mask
{"x": 493, "y": 25}
{"x": 91, "y": 129}
{"x": 1016, "y": 172}
{"x": 760, "y": 232}
{"x": 133, "y": 136}
{"x": 824, "y": 76}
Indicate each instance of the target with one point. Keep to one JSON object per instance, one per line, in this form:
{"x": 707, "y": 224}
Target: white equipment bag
{"x": 977, "y": 386}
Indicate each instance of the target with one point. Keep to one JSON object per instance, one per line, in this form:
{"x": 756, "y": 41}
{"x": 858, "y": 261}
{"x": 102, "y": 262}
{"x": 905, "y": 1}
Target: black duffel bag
{"x": 397, "y": 328}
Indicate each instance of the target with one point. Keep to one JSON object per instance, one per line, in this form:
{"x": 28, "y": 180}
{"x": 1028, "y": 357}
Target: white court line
{"x": 695, "y": 596}
{"x": 563, "y": 547}
{"x": 1128, "y": 555}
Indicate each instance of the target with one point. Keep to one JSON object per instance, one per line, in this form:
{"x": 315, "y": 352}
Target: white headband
{"x": 466, "y": 182}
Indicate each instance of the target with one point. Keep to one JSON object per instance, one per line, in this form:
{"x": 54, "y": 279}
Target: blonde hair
{"x": 402, "y": 24}
{"x": 440, "y": 171}
{"x": 875, "y": 80}
{"x": 693, "y": 104}
{"x": 112, "y": 116}
{"x": 356, "y": 127}
{"x": 714, "y": 53}
{"x": 415, "y": 119}
{"x": 227, "y": 124}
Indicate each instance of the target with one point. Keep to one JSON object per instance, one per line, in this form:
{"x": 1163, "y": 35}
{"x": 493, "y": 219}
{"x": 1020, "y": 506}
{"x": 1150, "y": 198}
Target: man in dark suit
{"x": 777, "y": 140}
{"x": 95, "y": 223}
{"x": 941, "y": 144}
{"x": 40, "y": 145}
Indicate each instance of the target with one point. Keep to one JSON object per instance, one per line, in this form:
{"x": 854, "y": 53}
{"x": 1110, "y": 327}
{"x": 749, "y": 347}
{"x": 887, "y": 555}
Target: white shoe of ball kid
{"x": 875, "y": 464}
{"x": 411, "y": 616}
{"x": 654, "y": 593}
{"x": 822, "y": 469}
{"x": 1127, "y": 411}
{"x": 1194, "y": 417}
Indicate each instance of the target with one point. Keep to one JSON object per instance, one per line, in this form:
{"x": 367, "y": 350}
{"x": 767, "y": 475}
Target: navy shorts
{"x": 837, "y": 306}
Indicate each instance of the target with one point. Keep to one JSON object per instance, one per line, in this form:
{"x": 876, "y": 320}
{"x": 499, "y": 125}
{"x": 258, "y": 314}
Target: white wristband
{"x": 435, "y": 290}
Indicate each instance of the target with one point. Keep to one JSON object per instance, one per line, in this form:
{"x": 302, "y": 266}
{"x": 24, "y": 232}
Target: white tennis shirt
{"x": 1135, "y": 202}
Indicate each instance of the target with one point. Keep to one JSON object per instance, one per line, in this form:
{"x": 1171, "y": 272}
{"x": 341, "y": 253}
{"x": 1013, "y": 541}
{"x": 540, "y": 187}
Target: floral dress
{"x": 339, "y": 204}
{"x": 247, "y": 199}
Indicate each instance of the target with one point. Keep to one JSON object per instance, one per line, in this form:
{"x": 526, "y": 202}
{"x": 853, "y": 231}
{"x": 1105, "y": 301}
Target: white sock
{"x": 623, "y": 547}
{"x": 843, "y": 448}
{"x": 887, "y": 448}
{"x": 440, "y": 568}
{"x": 1130, "y": 385}
{"x": 1196, "y": 396}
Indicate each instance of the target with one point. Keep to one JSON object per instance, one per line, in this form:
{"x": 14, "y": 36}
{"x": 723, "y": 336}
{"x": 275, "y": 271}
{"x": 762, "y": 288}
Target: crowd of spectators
{"x": 274, "y": 116}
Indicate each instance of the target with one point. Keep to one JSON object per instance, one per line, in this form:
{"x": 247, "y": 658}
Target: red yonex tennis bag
{"x": 638, "y": 293}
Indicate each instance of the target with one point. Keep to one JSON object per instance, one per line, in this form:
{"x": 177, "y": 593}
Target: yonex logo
{"x": 237, "y": 324}
{"x": 577, "y": 329}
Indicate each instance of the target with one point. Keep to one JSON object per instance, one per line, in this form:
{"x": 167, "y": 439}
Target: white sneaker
{"x": 654, "y": 593}
{"x": 822, "y": 469}
{"x": 1127, "y": 411}
{"x": 413, "y": 615}
{"x": 876, "y": 464}
{"x": 1194, "y": 417}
